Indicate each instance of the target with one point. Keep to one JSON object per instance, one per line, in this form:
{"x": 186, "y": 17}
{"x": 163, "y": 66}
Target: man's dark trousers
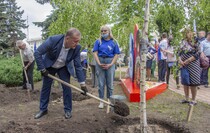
{"x": 204, "y": 76}
{"x": 46, "y": 88}
{"x": 29, "y": 72}
{"x": 161, "y": 70}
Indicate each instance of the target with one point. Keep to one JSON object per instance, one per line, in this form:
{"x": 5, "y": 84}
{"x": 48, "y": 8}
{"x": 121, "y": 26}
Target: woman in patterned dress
{"x": 189, "y": 58}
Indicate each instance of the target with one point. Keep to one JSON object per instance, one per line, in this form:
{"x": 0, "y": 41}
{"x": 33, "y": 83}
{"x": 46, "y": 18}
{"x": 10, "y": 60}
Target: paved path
{"x": 203, "y": 94}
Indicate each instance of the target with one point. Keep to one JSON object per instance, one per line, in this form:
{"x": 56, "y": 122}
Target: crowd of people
{"x": 187, "y": 59}
{"x": 62, "y": 55}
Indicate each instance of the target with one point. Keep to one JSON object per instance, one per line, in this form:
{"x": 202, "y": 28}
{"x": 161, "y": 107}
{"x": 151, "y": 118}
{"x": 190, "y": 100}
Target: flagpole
{"x": 27, "y": 29}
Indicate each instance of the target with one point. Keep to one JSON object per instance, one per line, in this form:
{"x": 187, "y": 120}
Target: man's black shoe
{"x": 68, "y": 115}
{"x": 40, "y": 114}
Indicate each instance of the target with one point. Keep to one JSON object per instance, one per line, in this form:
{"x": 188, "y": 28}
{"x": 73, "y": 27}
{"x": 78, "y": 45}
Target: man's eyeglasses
{"x": 103, "y": 30}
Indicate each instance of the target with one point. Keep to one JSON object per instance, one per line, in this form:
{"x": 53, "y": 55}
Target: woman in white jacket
{"x": 171, "y": 59}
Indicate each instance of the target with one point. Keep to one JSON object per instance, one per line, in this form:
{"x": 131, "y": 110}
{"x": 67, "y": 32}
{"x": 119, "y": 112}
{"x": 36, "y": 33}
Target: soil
{"x": 17, "y": 113}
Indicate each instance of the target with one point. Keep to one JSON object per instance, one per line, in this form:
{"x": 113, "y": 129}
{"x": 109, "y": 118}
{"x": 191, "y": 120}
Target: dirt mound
{"x": 121, "y": 108}
{"x": 76, "y": 96}
{"x": 16, "y": 95}
{"x": 173, "y": 127}
{"x": 109, "y": 124}
{"x": 132, "y": 125}
{"x": 17, "y": 115}
{"x": 14, "y": 127}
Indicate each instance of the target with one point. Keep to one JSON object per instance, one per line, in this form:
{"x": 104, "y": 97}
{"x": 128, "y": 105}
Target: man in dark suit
{"x": 52, "y": 57}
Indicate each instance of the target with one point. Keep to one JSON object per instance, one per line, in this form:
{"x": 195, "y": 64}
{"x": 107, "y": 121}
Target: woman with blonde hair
{"x": 106, "y": 52}
{"x": 189, "y": 60}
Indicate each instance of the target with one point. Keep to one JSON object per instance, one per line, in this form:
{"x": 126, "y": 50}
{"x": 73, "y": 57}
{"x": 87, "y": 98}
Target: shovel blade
{"x": 28, "y": 86}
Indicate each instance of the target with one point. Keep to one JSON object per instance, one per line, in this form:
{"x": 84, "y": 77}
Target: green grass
{"x": 117, "y": 74}
{"x": 167, "y": 107}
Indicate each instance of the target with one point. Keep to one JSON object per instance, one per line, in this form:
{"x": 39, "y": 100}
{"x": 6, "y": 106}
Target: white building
{"x": 35, "y": 42}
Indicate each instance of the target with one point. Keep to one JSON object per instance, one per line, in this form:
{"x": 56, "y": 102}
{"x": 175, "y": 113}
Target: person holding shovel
{"x": 106, "y": 52}
{"x": 28, "y": 61}
{"x": 59, "y": 51}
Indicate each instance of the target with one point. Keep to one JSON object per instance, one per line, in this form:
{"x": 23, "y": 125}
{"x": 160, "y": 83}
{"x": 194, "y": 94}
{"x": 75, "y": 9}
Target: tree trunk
{"x": 143, "y": 120}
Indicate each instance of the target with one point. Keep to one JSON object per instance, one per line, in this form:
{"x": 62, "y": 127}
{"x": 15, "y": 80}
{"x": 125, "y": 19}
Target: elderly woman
{"x": 28, "y": 59}
{"x": 189, "y": 59}
{"x": 106, "y": 52}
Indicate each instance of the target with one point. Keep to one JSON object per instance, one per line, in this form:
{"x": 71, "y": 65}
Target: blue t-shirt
{"x": 107, "y": 48}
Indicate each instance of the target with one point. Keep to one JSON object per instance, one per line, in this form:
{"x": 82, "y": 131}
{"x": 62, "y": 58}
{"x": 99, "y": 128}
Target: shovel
{"x": 120, "y": 108}
{"x": 28, "y": 85}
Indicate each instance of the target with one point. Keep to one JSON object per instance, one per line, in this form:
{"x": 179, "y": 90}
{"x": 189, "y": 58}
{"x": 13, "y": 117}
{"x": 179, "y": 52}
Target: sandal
{"x": 192, "y": 103}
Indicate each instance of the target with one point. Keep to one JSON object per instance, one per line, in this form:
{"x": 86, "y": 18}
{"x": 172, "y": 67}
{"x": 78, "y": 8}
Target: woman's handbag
{"x": 204, "y": 61}
{"x": 185, "y": 76}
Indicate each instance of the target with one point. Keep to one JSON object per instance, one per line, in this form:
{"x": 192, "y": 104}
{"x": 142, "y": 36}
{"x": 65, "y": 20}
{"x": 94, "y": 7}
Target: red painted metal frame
{"x": 132, "y": 90}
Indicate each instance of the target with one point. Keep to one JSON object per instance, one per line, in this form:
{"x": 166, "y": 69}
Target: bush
{"x": 11, "y": 71}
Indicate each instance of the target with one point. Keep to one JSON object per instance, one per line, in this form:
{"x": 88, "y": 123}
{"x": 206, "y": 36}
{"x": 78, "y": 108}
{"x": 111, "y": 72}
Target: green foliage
{"x": 201, "y": 13}
{"x": 126, "y": 13}
{"x": 87, "y": 16}
{"x": 46, "y": 23}
{"x": 11, "y": 72}
{"x": 170, "y": 18}
{"x": 3, "y": 19}
{"x": 11, "y": 22}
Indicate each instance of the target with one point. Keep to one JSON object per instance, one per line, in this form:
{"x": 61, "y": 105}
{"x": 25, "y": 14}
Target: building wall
{"x": 35, "y": 41}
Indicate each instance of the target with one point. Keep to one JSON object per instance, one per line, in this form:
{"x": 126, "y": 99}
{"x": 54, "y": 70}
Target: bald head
{"x": 73, "y": 31}
{"x": 72, "y": 38}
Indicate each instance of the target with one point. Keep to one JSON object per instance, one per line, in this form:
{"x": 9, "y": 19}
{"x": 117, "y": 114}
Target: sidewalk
{"x": 203, "y": 94}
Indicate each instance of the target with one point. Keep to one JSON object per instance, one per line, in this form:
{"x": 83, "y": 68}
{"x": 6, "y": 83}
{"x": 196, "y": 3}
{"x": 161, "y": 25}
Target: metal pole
{"x": 27, "y": 29}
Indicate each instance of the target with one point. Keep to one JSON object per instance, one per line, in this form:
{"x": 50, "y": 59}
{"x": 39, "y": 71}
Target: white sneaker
{"x": 101, "y": 105}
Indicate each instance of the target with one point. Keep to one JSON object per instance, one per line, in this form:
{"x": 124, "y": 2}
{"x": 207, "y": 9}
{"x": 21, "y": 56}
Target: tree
{"x": 126, "y": 14}
{"x": 201, "y": 13}
{"x": 170, "y": 18}
{"x": 3, "y": 22}
{"x": 43, "y": 1}
{"x": 11, "y": 22}
{"x": 143, "y": 120}
{"x": 46, "y": 23}
{"x": 87, "y": 16}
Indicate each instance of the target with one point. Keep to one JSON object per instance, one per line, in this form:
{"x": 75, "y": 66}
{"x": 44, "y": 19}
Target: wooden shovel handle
{"x": 76, "y": 88}
{"x": 189, "y": 114}
{"x": 21, "y": 57}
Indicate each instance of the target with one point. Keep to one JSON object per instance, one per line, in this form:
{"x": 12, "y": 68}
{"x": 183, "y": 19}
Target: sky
{"x": 36, "y": 13}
